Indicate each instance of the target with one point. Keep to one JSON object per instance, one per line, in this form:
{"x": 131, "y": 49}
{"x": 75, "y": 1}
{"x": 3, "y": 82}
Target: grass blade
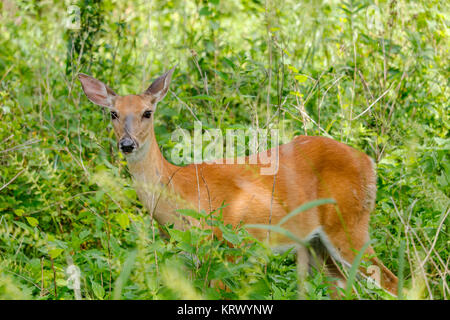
{"x": 305, "y": 207}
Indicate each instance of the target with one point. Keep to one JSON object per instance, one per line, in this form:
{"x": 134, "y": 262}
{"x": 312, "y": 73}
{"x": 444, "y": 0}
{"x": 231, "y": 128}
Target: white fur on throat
{"x": 139, "y": 154}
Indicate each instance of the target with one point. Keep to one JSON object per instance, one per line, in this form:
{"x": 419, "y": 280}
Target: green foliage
{"x": 82, "y": 43}
{"x": 372, "y": 74}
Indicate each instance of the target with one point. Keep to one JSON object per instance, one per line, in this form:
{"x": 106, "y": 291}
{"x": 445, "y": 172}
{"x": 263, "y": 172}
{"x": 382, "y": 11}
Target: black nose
{"x": 127, "y": 145}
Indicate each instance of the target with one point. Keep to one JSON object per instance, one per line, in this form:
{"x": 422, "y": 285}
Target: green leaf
{"x": 32, "y": 221}
{"x": 293, "y": 69}
{"x": 54, "y": 253}
{"x": 301, "y": 78}
{"x": 229, "y": 235}
{"x": 19, "y": 212}
{"x": 191, "y": 213}
{"x": 204, "y": 11}
{"x": 296, "y": 93}
{"x": 84, "y": 233}
{"x": 123, "y": 220}
{"x": 180, "y": 235}
{"x": 99, "y": 292}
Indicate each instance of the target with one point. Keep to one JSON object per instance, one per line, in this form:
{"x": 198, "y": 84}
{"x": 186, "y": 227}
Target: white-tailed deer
{"x": 309, "y": 168}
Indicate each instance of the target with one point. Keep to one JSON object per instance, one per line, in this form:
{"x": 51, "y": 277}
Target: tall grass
{"x": 372, "y": 74}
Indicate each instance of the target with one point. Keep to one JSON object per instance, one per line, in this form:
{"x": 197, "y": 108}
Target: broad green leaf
{"x": 204, "y": 11}
{"x": 229, "y": 235}
{"x": 301, "y": 78}
{"x": 123, "y": 220}
{"x": 99, "y": 292}
{"x": 32, "y": 221}
{"x": 54, "y": 253}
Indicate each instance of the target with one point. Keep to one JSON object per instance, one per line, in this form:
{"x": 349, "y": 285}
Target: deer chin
{"x": 138, "y": 154}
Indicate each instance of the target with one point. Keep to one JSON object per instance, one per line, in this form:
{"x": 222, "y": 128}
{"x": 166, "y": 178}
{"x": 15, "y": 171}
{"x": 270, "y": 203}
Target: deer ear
{"x": 158, "y": 89}
{"x": 97, "y": 91}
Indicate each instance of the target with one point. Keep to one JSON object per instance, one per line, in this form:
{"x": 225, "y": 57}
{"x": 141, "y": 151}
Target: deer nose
{"x": 127, "y": 145}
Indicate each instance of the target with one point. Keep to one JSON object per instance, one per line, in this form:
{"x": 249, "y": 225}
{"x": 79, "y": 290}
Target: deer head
{"x": 131, "y": 115}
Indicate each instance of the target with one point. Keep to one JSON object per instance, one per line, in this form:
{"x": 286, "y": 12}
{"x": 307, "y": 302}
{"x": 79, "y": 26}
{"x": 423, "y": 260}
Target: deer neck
{"x": 154, "y": 183}
{"x": 148, "y": 164}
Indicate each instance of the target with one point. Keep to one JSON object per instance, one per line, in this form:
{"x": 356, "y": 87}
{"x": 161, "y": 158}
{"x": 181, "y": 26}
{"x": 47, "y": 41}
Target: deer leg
{"x": 344, "y": 246}
{"x": 322, "y": 262}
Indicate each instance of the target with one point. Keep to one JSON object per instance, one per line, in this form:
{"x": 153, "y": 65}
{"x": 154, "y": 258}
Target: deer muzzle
{"x": 127, "y": 145}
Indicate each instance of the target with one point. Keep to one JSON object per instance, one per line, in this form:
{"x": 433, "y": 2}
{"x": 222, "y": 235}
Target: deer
{"x": 308, "y": 168}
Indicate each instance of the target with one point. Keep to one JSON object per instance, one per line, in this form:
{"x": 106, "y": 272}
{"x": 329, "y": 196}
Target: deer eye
{"x": 114, "y": 115}
{"x": 147, "y": 114}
